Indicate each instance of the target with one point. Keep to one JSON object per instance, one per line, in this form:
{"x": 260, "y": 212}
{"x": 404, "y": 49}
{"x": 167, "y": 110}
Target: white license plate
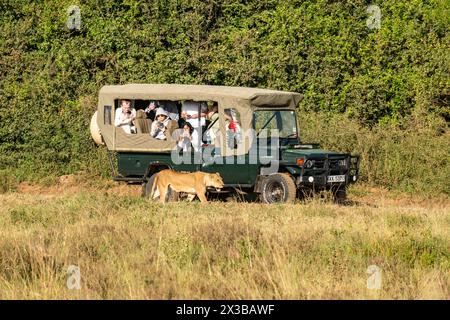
{"x": 340, "y": 178}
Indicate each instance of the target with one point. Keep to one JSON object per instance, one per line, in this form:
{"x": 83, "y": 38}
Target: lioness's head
{"x": 214, "y": 180}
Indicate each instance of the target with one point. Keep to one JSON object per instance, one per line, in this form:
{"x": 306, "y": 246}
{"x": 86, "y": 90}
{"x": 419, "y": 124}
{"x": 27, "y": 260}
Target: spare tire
{"x": 95, "y": 130}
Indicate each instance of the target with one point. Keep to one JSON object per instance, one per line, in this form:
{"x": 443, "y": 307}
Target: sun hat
{"x": 160, "y": 111}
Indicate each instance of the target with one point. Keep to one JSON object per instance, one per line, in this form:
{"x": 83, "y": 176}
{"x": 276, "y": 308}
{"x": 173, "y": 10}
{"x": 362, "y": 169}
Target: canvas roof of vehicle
{"x": 257, "y": 96}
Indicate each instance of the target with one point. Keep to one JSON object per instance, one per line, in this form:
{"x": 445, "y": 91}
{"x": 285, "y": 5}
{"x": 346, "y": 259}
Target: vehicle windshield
{"x": 281, "y": 123}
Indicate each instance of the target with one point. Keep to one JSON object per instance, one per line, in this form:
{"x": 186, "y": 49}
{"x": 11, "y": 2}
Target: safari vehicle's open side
{"x": 267, "y": 130}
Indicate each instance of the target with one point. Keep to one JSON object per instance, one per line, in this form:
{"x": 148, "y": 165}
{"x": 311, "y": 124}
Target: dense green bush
{"x": 50, "y": 75}
{"x": 412, "y": 157}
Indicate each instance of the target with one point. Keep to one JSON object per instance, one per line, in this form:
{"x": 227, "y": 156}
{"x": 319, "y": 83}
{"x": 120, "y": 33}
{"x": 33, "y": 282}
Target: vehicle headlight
{"x": 309, "y": 164}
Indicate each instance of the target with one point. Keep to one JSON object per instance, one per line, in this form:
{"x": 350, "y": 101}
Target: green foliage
{"x": 7, "y": 182}
{"x": 412, "y": 157}
{"x": 50, "y": 75}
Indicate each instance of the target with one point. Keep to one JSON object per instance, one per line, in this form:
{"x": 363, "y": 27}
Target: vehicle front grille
{"x": 320, "y": 167}
{"x": 319, "y": 164}
{"x": 333, "y": 163}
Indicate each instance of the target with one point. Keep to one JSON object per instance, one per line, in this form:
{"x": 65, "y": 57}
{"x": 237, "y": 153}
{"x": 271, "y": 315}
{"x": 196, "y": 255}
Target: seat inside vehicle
{"x": 143, "y": 124}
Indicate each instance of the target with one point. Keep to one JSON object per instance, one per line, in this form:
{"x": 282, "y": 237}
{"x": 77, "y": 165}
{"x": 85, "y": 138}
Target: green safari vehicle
{"x": 249, "y": 136}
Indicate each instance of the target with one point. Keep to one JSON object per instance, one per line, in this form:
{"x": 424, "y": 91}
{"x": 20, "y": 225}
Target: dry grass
{"x": 127, "y": 247}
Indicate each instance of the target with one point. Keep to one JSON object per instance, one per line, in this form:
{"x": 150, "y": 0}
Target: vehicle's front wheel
{"x": 278, "y": 188}
{"x": 340, "y": 195}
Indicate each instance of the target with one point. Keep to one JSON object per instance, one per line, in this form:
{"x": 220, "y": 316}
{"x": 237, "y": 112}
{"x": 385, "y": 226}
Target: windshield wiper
{"x": 292, "y": 135}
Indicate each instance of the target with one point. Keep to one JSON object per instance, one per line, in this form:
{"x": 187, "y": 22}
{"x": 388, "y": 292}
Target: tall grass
{"x": 412, "y": 157}
{"x": 127, "y": 247}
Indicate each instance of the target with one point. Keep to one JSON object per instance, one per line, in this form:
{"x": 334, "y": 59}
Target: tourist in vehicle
{"x": 213, "y": 113}
{"x": 159, "y": 126}
{"x": 183, "y": 119}
{"x": 233, "y": 128}
{"x": 191, "y": 108}
{"x": 125, "y": 116}
{"x": 185, "y": 139}
{"x": 151, "y": 110}
{"x": 213, "y": 126}
{"x": 172, "y": 109}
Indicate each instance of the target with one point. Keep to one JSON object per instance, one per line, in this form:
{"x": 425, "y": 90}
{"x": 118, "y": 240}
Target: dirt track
{"x": 358, "y": 195}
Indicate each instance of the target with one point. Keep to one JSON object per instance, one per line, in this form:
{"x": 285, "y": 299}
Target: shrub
{"x": 412, "y": 157}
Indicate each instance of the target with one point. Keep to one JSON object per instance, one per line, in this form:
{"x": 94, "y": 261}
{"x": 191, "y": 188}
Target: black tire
{"x": 278, "y": 188}
{"x": 340, "y": 195}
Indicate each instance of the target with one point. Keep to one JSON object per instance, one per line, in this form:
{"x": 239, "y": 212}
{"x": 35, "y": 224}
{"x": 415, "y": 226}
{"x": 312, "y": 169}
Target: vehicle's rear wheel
{"x": 278, "y": 188}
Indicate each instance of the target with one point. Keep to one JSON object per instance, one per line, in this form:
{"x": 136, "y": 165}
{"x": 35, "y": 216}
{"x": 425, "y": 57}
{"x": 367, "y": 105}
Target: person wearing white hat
{"x": 159, "y": 126}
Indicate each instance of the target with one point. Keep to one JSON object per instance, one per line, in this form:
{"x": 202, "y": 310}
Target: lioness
{"x": 194, "y": 183}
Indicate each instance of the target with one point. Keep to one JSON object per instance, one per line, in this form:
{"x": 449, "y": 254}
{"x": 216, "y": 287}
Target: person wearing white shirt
{"x": 197, "y": 121}
{"x": 125, "y": 116}
{"x": 192, "y": 110}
